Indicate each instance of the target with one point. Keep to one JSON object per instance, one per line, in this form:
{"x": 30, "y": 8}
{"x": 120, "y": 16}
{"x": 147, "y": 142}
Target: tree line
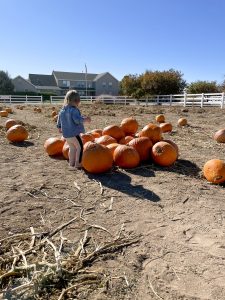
{"x": 149, "y": 83}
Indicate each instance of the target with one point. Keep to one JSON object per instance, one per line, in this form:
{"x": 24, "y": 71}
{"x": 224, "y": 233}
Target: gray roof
{"x": 73, "y": 76}
{"x": 44, "y": 87}
{"x": 99, "y": 76}
{"x": 20, "y": 77}
{"x": 42, "y": 80}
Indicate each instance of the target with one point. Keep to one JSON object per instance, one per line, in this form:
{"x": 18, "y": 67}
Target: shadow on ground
{"x": 121, "y": 182}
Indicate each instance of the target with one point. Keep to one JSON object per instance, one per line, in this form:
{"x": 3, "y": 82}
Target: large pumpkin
{"x": 4, "y": 113}
{"x": 164, "y": 154}
{"x": 105, "y": 140}
{"x": 126, "y": 157}
{"x": 152, "y": 131}
{"x": 17, "y": 133}
{"x": 174, "y": 145}
{"x": 219, "y": 136}
{"x": 125, "y": 140}
{"x": 129, "y": 125}
{"x": 65, "y": 150}
{"x": 143, "y": 145}
{"x": 53, "y": 146}
{"x": 96, "y": 158}
{"x": 10, "y": 122}
{"x": 112, "y": 147}
{"x": 182, "y": 122}
{"x": 160, "y": 118}
{"x": 96, "y": 132}
{"x": 87, "y": 137}
{"x": 114, "y": 131}
{"x": 214, "y": 171}
{"x": 166, "y": 127}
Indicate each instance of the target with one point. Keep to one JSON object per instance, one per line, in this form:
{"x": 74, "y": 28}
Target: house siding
{"x": 103, "y": 87}
{"x": 22, "y": 85}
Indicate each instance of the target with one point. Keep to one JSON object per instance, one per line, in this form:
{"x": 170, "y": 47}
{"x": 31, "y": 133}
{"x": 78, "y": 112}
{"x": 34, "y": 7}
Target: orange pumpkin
{"x": 164, "y": 154}
{"x": 10, "y": 122}
{"x": 53, "y": 146}
{"x": 126, "y": 157}
{"x": 152, "y": 131}
{"x": 105, "y": 140}
{"x": 96, "y": 131}
{"x": 166, "y": 127}
{"x": 174, "y": 145}
{"x": 214, "y": 171}
{"x": 94, "y": 134}
{"x": 54, "y": 113}
{"x": 160, "y": 118}
{"x": 143, "y": 145}
{"x": 219, "y": 136}
{"x": 17, "y": 133}
{"x": 35, "y": 109}
{"x": 112, "y": 147}
{"x": 96, "y": 158}
{"x": 125, "y": 140}
{"x": 129, "y": 125}
{"x": 9, "y": 110}
{"x": 55, "y": 118}
{"x": 4, "y": 113}
{"x": 65, "y": 150}
{"x": 86, "y": 137}
{"x": 39, "y": 110}
{"x": 114, "y": 131}
{"x": 182, "y": 122}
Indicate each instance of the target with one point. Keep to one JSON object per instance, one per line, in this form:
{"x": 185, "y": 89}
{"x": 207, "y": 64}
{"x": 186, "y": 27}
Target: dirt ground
{"x": 177, "y": 217}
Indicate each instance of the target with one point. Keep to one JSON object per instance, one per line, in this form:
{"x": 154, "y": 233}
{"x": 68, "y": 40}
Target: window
{"x": 66, "y": 83}
{"x": 110, "y": 83}
{"x": 103, "y": 84}
{"x": 89, "y": 85}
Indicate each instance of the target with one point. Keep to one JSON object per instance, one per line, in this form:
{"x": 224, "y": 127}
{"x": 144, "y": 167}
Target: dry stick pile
{"x": 35, "y": 264}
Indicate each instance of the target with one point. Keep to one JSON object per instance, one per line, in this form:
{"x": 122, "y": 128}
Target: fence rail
{"x": 198, "y": 100}
{"x": 15, "y": 99}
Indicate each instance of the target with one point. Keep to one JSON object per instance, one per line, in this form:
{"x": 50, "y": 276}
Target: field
{"x": 148, "y": 233}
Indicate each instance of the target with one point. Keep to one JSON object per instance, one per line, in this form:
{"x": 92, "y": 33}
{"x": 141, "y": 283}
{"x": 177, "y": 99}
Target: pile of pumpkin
{"x": 122, "y": 146}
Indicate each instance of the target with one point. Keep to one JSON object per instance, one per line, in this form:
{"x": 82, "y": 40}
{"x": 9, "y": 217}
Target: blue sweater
{"x": 70, "y": 121}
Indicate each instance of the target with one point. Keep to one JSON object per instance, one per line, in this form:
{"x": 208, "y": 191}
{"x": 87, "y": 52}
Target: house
{"x": 60, "y": 82}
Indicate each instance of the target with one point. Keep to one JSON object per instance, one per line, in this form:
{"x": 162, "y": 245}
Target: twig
{"x": 110, "y": 206}
{"x": 154, "y": 292}
{"x": 77, "y": 186}
{"x": 33, "y": 237}
{"x": 61, "y": 227}
{"x": 101, "y": 187}
{"x": 99, "y": 227}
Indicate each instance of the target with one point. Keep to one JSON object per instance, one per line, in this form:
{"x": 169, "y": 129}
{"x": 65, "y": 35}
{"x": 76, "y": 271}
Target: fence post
{"x": 114, "y": 101}
{"x": 125, "y": 100}
{"x": 10, "y": 99}
{"x": 41, "y": 99}
{"x": 222, "y": 100}
{"x": 202, "y": 100}
{"x": 171, "y": 99}
{"x": 185, "y": 98}
{"x": 51, "y": 99}
{"x": 158, "y": 100}
{"x": 26, "y": 98}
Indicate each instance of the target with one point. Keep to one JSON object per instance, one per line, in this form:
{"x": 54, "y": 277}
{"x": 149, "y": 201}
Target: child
{"x": 70, "y": 124}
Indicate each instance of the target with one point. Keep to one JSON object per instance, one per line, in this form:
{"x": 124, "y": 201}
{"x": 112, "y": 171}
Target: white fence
{"x": 199, "y": 100}
{"x": 13, "y": 99}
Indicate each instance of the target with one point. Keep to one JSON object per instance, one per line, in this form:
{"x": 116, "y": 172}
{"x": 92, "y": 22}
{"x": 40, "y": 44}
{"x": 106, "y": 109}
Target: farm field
{"x": 161, "y": 230}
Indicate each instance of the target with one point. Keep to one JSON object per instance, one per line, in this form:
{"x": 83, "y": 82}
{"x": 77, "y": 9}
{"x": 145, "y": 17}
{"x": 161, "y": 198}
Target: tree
{"x": 131, "y": 86}
{"x": 199, "y": 87}
{"x": 162, "y": 82}
{"x": 6, "y": 85}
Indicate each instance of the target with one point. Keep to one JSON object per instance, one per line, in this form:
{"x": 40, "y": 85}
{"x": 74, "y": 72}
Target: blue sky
{"x": 119, "y": 36}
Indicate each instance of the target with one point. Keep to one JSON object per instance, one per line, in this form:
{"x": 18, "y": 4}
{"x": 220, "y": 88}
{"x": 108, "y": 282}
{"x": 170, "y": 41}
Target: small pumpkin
{"x": 143, "y": 145}
{"x": 112, "y": 147}
{"x": 105, "y": 140}
{"x": 129, "y": 125}
{"x": 152, "y": 131}
{"x": 219, "y": 136}
{"x": 35, "y": 109}
{"x": 126, "y": 157}
{"x": 9, "y": 123}
{"x": 54, "y": 113}
{"x": 39, "y": 110}
{"x": 114, "y": 131}
{"x": 182, "y": 122}
{"x": 9, "y": 110}
{"x": 164, "y": 154}
{"x": 96, "y": 158}
{"x": 87, "y": 137}
{"x": 4, "y": 113}
{"x": 166, "y": 127}
{"x": 55, "y": 118}
{"x": 214, "y": 171}
{"x": 17, "y": 133}
{"x": 53, "y": 146}
{"x": 125, "y": 140}
{"x": 65, "y": 150}
{"x": 160, "y": 119}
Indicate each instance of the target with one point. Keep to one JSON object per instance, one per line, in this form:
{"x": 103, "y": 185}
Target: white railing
{"x": 13, "y": 99}
{"x": 200, "y": 100}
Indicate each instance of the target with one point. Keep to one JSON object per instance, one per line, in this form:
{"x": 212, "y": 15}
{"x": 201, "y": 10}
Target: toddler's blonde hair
{"x": 71, "y": 97}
